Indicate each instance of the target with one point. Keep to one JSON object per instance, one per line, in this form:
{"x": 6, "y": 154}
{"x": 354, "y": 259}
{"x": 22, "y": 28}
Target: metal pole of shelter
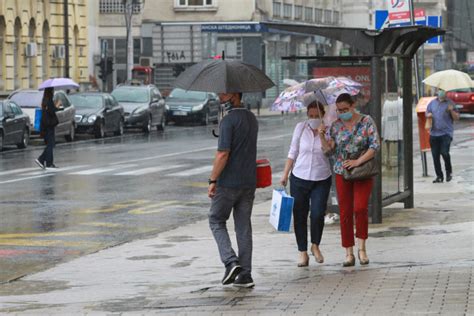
{"x": 418, "y": 90}
{"x": 408, "y": 131}
{"x": 376, "y": 113}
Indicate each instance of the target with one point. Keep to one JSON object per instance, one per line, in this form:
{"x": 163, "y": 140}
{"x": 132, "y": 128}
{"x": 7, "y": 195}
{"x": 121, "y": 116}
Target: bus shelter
{"x": 383, "y": 64}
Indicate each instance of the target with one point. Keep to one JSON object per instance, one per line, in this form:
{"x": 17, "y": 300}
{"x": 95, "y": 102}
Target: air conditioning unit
{"x": 30, "y": 50}
{"x": 59, "y": 52}
{"x": 146, "y": 61}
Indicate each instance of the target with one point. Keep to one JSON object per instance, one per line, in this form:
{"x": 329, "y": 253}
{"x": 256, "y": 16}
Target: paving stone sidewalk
{"x": 421, "y": 263}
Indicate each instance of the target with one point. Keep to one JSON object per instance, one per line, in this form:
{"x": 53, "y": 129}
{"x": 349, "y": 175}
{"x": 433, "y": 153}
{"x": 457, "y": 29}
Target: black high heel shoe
{"x": 349, "y": 263}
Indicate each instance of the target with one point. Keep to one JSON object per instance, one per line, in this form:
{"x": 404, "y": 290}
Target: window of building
{"x": 195, "y": 3}
{"x": 308, "y": 14}
{"x": 335, "y": 17}
{"x": 298, "y": 12}
{"x": 318, "y": 15}
{"x": 327, "y": 16}
{"x": 287, "y": 11}
{"x": 277, "y": 9}
{"x": 117, "y": 6}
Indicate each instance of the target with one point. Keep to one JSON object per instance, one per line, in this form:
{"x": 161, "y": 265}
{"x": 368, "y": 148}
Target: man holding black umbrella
{"x": 233, "y": 178}
{"x": 232, "y": 187}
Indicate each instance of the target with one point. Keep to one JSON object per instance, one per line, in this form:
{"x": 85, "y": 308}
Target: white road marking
{"x": 52, "y": 170}
{"x": 27, "y": 178}
{"x": 191, "y": 172}
{"x": 101, "y": 170}
{"x": 4, "y": 173}
{"x": 143, "y": 171}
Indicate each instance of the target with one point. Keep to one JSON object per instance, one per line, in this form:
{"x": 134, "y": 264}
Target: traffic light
{"x": 101, "y": 73}
{"x": 110, "y": 66}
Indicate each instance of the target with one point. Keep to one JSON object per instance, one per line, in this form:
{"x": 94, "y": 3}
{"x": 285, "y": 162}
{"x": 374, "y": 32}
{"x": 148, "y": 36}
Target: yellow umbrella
{"x": 449, "y": 80}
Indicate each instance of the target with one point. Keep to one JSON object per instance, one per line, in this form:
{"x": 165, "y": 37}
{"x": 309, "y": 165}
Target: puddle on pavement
{"x": 180, "y": 239}
{"x": 163, "y": 246}
{"x": 151, "y": 257}
{"x": 184, "y": 263}
{"x": 22, "y": 287}
{"x": 406, "y": 231}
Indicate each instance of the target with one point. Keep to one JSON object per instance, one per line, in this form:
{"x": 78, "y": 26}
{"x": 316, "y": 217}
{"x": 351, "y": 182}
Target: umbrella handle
{"x": 214, "y": 133}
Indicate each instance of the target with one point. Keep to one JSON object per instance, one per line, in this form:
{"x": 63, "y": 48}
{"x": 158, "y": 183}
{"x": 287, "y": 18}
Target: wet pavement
{"x": 111, "y": 191}
{"x": 421, "y": 259}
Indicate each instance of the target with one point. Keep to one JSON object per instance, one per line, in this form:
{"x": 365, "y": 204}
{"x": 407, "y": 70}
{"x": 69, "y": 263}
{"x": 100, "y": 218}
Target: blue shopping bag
{"x": 281, "y": 210}
{"x": 38, "y": 114}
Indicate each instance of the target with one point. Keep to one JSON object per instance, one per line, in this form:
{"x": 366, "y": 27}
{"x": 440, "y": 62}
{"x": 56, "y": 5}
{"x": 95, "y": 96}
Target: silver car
{"x": 30, "y": 101}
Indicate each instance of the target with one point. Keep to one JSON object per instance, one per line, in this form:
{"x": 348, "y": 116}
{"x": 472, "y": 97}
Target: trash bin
{"x": 422, "y": 132}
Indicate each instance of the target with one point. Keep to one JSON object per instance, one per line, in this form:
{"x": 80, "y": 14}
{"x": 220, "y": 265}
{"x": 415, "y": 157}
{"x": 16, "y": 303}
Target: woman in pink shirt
{"x": 310, "y": 182}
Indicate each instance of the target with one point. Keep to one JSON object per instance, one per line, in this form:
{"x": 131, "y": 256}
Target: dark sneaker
{"x": 52, "y": 166}
{"x": 231, "y": 271}
{"x": 438, "y": 180}
{"x": 244, "y": 281}
{"x": 39, "y": 164}
{"x": 449, "y": 177}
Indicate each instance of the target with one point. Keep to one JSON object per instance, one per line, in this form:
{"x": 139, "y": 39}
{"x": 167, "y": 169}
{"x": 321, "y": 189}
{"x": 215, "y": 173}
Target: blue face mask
{"x": 345, "y": 116}
{"x": 441, "y": 93}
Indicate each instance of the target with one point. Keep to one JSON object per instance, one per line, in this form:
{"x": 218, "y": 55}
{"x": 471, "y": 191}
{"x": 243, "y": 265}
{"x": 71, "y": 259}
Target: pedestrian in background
{"x": 352, "y": 132}
{"x": 49, "y": 121}
{"x": 442, "y": 113}
{"x": 232, "y": 187}
{"x": 310, "y": 182}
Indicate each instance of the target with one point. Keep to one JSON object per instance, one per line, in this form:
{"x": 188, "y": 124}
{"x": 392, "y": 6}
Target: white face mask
{"x": 314, "y": 123}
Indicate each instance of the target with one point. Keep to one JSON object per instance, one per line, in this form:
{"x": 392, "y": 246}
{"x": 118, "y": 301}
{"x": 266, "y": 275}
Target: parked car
{"x": 143, "y": 105}
{"x": 464, "y": 99}
{"x": 97, "y": 114}
{"x": 30, "y": 100}
{"x": 192, "y": 106}
{"x": 14, "y": 125}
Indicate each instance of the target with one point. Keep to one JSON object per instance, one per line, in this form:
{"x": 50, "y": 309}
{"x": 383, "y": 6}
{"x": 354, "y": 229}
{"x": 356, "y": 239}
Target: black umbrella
{"x": 223, "y": 76}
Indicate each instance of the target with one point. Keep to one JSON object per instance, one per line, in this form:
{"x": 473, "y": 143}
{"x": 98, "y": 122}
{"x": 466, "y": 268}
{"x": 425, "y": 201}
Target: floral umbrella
{"x": 325, "y": 90}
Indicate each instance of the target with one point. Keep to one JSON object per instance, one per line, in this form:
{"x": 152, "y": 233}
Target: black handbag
{"x": 366, "y": 170}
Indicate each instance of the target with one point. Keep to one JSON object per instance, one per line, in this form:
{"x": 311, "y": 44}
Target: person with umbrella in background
{"x": 49, "y": 121}
{"x": 442, "y": 112}
{"x": 232, "y": 182}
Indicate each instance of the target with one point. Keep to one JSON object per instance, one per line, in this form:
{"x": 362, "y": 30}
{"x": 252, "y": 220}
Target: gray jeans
{"x": 241, "y": 200}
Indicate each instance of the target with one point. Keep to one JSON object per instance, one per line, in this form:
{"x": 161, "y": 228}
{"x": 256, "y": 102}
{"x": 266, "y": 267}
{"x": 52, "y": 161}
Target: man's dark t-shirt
{"x": 238, "y": 133}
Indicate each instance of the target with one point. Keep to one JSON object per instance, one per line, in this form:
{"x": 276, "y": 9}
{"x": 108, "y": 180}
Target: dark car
{"x": 98, "y": 114}
{"x": 14, "y": 125}
{"x": 192, "y": 106}
{"x": 30, "y": 100}
{"x": 144, "y": 107}
{"x": 463, "y": 98}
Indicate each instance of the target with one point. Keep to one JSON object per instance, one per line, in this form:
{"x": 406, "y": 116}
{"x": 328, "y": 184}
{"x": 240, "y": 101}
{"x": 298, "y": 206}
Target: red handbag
{"x": 264, "y": 173}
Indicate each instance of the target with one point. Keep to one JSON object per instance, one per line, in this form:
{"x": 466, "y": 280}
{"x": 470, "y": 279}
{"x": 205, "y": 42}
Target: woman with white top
{"x": 310, "y": 182}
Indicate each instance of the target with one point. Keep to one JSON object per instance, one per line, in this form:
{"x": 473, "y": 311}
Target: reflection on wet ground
{"x": 406, "y": 231}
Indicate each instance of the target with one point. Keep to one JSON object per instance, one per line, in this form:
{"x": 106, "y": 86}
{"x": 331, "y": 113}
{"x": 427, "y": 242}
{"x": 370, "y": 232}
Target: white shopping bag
{"x": 281, "y": 210}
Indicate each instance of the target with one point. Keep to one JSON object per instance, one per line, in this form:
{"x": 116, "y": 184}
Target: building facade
{"x": 32, "y": 42}
{"x": 171, "y": 35}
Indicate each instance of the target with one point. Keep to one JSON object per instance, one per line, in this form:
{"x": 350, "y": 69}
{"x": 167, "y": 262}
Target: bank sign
{"x": 234, "y": 28}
